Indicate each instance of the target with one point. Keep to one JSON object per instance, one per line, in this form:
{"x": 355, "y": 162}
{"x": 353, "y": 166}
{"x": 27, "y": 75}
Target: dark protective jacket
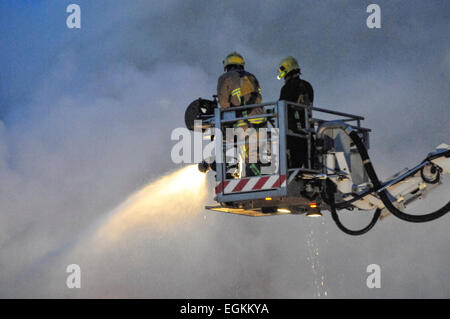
{"x": 238, "y": 87}
{"x": 298, "y": 91}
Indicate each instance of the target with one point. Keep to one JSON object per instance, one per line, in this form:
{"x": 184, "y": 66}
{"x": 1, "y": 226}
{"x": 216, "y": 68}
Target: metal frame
{"x": 280, "y": 111}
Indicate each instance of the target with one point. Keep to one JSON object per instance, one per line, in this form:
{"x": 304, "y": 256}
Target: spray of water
{"x": 316, "y": 266}
{"x": 159, "y": 206}
{"x": 165, "y": 201}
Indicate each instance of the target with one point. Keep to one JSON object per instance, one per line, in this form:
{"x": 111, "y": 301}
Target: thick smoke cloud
{"x": 86, "y": 121}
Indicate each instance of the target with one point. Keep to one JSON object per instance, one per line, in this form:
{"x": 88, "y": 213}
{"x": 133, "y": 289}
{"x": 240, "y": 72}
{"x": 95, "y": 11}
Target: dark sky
{"x": 86, "y": 116}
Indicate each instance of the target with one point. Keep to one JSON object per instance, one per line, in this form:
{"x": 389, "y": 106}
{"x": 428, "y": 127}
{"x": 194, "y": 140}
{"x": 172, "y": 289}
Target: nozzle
{"x": 203, "y": 167}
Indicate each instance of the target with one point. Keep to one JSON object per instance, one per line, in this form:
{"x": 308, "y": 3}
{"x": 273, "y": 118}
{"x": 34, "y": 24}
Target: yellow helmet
{"x": 233, "y": 58}
{"x": 287, "y": 65}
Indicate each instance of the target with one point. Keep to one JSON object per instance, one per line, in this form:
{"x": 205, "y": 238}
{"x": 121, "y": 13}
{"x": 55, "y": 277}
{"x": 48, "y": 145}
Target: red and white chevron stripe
{"x": 251, "y": 184}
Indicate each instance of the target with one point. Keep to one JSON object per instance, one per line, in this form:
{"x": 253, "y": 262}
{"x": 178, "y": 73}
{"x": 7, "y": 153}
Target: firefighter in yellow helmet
{"x": 298, "y": 91}
{"x": 237, "y": 87}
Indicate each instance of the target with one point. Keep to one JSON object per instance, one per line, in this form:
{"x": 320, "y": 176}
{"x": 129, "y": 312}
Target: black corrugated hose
{"x": 384, "y": 196}
{"x": 328, "y": 194}
{"x": 328, "y": 197}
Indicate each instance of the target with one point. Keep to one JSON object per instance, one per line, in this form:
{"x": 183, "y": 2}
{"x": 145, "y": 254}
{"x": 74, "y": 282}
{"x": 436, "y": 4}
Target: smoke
{"x": 157, "y": 210}
{"x": 74, "y": 156}
{"x": 86, "y": 121}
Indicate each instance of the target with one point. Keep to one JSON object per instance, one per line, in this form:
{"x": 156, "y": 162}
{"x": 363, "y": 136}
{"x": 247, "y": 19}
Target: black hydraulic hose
{"x": 383, "y": 194}
{"x": 347, "y": 203}
{"x": 413, "y": 218}
{"x": 351, "y": 232}
{"x": 328, "y": 197}
{"x": 434, "y": 181}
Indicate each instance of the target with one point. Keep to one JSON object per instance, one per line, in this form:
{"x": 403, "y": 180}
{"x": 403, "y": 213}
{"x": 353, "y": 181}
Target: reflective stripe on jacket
{"x": 238, "y": 87}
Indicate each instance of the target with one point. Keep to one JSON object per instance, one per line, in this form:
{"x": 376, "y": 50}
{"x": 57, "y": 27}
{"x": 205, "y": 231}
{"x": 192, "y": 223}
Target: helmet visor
{"x": 281, "y": 72}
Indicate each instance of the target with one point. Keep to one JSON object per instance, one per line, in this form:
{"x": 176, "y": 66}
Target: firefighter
{"x": 298, "y": 91}
{"x": 237, "y": 87}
